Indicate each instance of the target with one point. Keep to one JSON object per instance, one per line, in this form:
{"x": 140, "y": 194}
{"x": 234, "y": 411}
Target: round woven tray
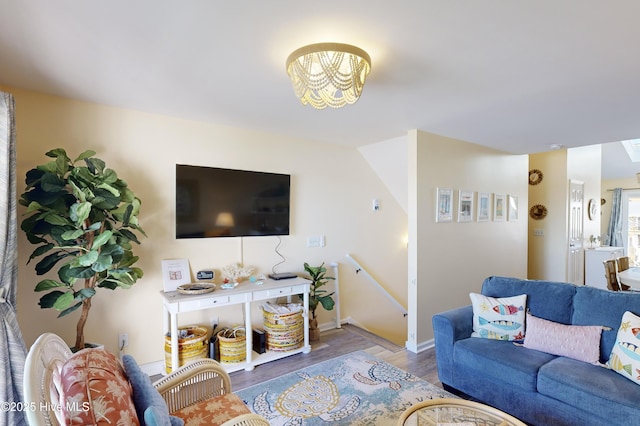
{"x": 196, "y": 288}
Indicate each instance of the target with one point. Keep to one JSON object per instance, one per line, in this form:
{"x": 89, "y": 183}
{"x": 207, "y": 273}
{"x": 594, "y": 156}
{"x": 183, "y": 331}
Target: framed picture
{"x": 465, "y": 206}
{"x": 513, "y": 207}
{"x": 484, "y": 206}
{"x": 175, "y": 272}
{"x": 444, "y": 205}
{"x": 499, "y": 207}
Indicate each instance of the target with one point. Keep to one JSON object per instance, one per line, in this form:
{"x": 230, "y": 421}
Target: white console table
{"x": 175, "y": 303}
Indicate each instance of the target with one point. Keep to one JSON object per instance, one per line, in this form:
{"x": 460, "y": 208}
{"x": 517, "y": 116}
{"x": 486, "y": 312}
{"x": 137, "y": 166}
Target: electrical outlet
{"x": 214, "y": 322}
{"x": 123, "y": 341}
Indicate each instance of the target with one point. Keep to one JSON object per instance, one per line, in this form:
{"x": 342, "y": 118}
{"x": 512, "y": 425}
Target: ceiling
{"x": 511, "y": 75}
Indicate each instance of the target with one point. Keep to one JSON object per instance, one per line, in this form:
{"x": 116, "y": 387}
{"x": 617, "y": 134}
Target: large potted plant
{"x": 84, "y": 219}
{"x": 318, "y": 296}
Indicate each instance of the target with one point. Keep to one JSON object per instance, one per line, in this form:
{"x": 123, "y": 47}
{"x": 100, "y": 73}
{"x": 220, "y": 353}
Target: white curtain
{"x": 11, "y": 342}
{"x": 615, "y": 223}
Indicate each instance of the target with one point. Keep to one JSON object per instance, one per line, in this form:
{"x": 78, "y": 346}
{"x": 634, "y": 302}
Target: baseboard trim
{"x": 153, "y": 368}
{"x": 420, "y": 347}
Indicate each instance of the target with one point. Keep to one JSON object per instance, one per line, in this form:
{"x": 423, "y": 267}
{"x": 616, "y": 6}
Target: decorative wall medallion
{"x": 535, "y": 176}
{"x": 538, "y": 212}
{"x": 592, "y": 209}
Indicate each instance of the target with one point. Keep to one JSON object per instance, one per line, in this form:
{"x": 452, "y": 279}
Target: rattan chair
{"x": 192, "y": 383}
{"x": 611, "y": 275}
{"x": 623, "y": 265}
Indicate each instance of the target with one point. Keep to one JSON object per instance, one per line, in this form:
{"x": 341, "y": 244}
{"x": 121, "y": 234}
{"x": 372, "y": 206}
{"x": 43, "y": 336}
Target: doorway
{"x": 631, "y": 225}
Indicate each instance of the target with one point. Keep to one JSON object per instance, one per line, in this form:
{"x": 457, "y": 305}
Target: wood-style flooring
{"x": 341, "y": 341}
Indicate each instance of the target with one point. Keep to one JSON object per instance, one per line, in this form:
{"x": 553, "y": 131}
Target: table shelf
{"x": 175, "y": 303}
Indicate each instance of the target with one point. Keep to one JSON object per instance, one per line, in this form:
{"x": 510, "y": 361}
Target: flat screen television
{"x": 217, "y": 202}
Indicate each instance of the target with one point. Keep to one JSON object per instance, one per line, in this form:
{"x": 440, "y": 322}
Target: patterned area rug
{"x": 354, "y": 389}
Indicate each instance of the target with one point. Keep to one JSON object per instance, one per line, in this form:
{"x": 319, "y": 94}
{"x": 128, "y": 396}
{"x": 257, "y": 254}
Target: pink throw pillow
{"x": 581, "y": 342}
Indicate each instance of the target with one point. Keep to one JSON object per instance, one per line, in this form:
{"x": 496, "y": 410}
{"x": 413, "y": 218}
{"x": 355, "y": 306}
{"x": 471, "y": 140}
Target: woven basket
{"x": 285, "y": 332}
{"x": 192, "y": 347}
{"x": 232, "y": 349}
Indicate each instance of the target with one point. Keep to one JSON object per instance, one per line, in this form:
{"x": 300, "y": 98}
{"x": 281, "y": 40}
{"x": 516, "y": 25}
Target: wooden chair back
{"x": 611, "y": 275}
{"x": 623, "y": 263}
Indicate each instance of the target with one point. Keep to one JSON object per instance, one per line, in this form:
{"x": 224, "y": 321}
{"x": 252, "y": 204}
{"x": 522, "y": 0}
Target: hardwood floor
{"x": 337, "y": 342}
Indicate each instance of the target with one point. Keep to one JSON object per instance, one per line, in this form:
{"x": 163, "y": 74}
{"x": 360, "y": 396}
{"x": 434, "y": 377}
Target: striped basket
{"x": 232, "y": 345}
{"x": 192, "y": 347}
{"x": 285, "y": 332}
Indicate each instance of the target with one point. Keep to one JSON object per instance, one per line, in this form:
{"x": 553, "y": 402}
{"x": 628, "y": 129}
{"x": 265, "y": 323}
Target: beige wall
{"x": 447, "y": 261}
{"x": 548, "y": 252}
{"x": 332, "y": 189}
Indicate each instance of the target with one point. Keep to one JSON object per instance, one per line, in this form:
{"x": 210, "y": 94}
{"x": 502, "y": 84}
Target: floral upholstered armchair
{"x": 93, "y": 387}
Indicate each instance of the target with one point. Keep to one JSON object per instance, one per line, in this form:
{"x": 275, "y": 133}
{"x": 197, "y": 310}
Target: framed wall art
{"x": 465, "y": 206}
{"x": 444, "y": 205}
{"x": 484, "y": 206}
{"x": 499, "y": 207}
{"x": 513, "y": 207}
{"x": 175, "y": 272}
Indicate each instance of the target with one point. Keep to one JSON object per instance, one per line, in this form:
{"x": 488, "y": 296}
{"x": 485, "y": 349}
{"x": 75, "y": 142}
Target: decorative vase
{"x": 314, "y": 331}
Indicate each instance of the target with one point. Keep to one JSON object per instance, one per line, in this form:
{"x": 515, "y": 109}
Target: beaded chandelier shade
{"x": 328, "y": 74}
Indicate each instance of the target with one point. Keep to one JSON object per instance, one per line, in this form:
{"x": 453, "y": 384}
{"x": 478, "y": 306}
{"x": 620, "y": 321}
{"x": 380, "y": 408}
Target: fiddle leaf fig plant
{"x": 83, "y": 218}
{"x": 318, "y": 295}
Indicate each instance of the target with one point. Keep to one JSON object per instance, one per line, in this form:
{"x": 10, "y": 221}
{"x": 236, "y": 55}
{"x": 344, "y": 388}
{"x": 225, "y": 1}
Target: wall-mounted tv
{"x": 217, "y": 202}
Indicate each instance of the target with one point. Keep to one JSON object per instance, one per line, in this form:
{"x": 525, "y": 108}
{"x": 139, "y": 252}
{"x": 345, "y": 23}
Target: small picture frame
{"x": 513, "y": 208}
{"x": 444, "y": 205}
{"x": 499, "y": 207}
{"x": 465, "y": 206}
{"x": 484, "y": 206}
{"x": 175, "y": 272}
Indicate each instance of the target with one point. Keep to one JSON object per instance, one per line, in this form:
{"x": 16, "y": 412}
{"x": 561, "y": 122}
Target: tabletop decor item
{"x": 84, "y": 218}
{"x": 234, "y": 273}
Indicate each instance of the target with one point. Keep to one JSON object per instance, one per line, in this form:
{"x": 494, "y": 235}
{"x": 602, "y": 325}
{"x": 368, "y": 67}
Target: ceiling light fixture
{"x": 328, "y": 74}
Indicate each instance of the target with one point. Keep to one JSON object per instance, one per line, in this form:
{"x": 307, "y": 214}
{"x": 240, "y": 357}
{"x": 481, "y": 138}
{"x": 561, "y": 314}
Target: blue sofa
{"x": 537, "y": 387}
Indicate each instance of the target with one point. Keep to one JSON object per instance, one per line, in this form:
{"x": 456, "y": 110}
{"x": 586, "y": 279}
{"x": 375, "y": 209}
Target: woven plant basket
{"x": 232, "y": 345}
{"x": 285, "y": 332}
{"x": 192, "y": 347}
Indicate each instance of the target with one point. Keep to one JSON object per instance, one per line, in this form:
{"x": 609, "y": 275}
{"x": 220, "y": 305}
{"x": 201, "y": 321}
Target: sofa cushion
{"x": 151, "y": 408}
{"x": 95, "y": 390}
{"x": 539, "y": 294}
{"x": 499, "y": 360}
{"x": 594, "y": 306}
{"x": 590, "y": 389}
{"x": 625, "y": 355}
{"x": 580, "y": 342}
{"x": 500, "y": 318}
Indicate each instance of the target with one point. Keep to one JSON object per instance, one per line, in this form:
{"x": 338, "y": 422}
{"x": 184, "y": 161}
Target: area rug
{"x": 354, "y": 389}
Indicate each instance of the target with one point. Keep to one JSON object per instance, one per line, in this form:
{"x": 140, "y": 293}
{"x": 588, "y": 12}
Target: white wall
{"x": 332, "y": 189}
{"x": 447, "y": 261}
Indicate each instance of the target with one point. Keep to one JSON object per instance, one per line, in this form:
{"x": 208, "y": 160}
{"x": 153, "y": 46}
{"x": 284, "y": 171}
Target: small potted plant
{"x": 83, "y": 218}
{"x": 318, "y": 296}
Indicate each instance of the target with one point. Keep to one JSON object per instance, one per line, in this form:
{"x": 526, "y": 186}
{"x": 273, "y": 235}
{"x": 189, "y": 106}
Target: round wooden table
{"x": 459, "y": 412}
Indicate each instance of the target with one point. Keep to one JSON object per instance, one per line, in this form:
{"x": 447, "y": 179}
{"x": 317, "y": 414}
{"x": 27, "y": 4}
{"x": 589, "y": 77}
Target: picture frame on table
{"x": 484, "y": 206}
{"x": 512, "y": 209}
{"x": 175, "y": 272}
{"x": 465, "y": 206}
{"x": 444, "y": 205}
{"x": 499, "y": 207}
